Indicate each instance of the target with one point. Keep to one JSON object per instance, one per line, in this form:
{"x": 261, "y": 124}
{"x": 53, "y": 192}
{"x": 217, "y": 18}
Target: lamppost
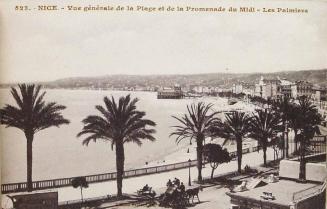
{"x": 189, "y": 172}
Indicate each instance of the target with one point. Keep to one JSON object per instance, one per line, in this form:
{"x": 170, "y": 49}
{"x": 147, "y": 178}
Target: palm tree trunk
{"x": 82, "y": 193}
{"x": 287, "y": 144}
{"x": 284, "y": 140}
{"x": 239, "y": 154}
{"x": 29, "y": 137}
{"x": 199, "y": 149}
{"x": 120, "y": 158}
{"x": 264, "y": 149}
{"x": 295, "y": 139}
{"x": 302, "y": 163}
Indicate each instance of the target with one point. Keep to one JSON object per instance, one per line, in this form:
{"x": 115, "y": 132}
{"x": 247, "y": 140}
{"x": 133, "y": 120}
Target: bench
{"x": 267, "y": 196}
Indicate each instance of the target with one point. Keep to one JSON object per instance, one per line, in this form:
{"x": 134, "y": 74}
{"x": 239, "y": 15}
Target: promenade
{"x": 156, "y": 181}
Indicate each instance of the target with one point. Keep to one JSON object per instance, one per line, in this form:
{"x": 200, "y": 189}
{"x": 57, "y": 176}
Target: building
{"x": 301, "y": 88}
{"x": 199, "y": 89}
{"x": 285, "y": 88}
{"x": 170, "y": 93}
{"x": 285, "y": 194}
{"x": 249, "y": 89}
{"x": 267, "y": 88}
{"x": 237, "y": 88}
{"x": 319, "y": 94}
{"x": 284, "y": 191}
{"x": 279, "y": 88}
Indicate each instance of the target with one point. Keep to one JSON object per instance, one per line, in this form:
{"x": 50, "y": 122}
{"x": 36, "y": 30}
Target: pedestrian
{"x": 182, "y": 188}
{"x": 169, "y": 183}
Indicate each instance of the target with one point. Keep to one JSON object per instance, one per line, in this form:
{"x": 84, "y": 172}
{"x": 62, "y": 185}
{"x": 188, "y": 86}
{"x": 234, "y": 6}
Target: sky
{"x": 44, "y": 46}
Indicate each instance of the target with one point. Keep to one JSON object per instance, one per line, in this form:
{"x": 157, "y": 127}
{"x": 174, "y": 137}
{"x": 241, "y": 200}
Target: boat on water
{"x": 232, "y": 101}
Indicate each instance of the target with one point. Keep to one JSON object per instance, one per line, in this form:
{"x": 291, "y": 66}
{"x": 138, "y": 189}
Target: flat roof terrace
{"x": 284, "y": 191}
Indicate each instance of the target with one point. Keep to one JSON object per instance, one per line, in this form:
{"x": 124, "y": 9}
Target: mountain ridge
{"x": 318, "y": 77}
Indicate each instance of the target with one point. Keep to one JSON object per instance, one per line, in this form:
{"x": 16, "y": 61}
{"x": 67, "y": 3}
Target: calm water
{"x": 57, "y": 152}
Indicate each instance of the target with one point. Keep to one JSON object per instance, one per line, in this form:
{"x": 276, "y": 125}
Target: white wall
{"x": 291, "y": 169}
{"x": 316, "y": 172}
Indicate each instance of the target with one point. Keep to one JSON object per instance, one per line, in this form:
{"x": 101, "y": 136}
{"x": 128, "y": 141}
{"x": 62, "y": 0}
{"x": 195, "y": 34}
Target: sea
{"x": 59, "y": 153}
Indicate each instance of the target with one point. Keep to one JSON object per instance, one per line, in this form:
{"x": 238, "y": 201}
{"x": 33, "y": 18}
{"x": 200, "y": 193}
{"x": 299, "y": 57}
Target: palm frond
{"x": 32, "y": 113}
{"x": 118, "y": 122}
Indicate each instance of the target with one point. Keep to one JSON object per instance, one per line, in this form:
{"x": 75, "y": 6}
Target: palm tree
{"x": 197, "y": 124}
{"x": 118, "y": 124}
{"x": 309, "y": 119}
{"x": 235, "y": 127}
{"x": 31, "y": 115}
{"x": 264, "y": 125}
{"x": 282, "y": 108}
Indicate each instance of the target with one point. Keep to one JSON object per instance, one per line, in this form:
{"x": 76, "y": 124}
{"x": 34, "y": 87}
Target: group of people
{"x": 176, "y": 183}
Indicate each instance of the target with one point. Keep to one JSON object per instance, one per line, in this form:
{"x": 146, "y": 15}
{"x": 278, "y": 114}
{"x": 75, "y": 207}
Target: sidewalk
{"x": 156, "y": 181}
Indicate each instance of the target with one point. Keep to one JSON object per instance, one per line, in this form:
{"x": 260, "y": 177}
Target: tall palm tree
{"x": 309, "y": 118}
{"x": 282, "y": 108}
{"x": 31, "y": 115}
{"x": 196, "y": 124}
{"x": 295, "y": 122}
{"x": 264, "y": 125}
{"x": 118, "y": 124}
{"x": 235, "y": 127}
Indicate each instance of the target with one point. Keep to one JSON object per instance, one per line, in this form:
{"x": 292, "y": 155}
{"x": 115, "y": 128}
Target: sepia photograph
{"x": 110, "y": 104}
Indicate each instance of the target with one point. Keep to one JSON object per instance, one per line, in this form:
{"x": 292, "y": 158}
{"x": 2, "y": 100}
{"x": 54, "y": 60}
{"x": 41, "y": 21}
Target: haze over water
{"x": 57, "y": 152}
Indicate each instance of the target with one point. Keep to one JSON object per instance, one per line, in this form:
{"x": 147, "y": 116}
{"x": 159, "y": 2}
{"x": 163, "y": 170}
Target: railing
{"x": 309, "y": 192}
{"x": 56, "y": 183}
{"x": 245, "y": 150}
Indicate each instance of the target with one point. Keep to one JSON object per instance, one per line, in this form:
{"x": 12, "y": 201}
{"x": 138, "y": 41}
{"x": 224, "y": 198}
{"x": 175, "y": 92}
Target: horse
{"x": 193, "y": 192}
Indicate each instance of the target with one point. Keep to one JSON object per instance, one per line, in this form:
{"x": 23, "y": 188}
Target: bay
{"x": 58, "y": 153}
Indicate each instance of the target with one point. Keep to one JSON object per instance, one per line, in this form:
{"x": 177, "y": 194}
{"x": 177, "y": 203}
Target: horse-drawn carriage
{"x": 146, "y": 192}
{"x": 174, "y": 197}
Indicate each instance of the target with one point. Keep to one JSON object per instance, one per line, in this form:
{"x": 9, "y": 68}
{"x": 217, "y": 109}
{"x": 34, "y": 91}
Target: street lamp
{"x": 189, "y": 172}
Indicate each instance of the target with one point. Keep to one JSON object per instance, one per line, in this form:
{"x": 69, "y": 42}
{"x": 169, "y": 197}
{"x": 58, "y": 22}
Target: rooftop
{"x": 283, "y": 191}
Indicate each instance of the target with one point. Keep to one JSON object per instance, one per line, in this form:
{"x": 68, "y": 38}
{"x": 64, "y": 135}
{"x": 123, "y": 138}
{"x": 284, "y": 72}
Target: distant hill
{"x": 318, "y": 77}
